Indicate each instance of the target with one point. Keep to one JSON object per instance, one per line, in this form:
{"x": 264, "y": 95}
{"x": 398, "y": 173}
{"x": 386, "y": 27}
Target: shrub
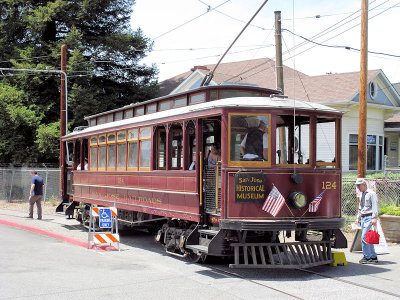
{"x": 390, "y": 210}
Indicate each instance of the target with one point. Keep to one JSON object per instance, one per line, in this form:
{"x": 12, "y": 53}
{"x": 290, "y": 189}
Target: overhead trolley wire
{"x": 191, "y": 20}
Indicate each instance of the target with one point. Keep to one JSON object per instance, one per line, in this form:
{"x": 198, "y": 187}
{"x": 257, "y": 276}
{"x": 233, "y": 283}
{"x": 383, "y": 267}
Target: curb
{"x": 66, "y": 239}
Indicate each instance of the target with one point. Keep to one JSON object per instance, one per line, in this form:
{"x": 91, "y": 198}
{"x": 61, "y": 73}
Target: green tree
{"x": 104, "y": 70}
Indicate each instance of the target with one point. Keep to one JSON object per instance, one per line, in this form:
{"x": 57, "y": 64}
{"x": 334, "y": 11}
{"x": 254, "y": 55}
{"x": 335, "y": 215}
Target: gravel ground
{"x": 48, "y": 208}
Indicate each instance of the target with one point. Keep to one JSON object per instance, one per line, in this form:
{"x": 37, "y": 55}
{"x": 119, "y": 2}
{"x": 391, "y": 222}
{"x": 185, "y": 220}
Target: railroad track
{"x": 234, "y": 274}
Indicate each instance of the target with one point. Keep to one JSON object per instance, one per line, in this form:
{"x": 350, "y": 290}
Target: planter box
{"x": 391, "y": 227}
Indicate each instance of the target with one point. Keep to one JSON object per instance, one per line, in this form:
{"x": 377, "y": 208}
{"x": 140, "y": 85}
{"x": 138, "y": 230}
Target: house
{"x": 339, "y": 91}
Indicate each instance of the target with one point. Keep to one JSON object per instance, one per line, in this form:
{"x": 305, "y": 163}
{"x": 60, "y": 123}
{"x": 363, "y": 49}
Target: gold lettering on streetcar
{"x": 329, "y": 185}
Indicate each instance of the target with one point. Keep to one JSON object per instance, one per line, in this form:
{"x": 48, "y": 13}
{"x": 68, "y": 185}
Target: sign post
{"x": 107, "y": 220}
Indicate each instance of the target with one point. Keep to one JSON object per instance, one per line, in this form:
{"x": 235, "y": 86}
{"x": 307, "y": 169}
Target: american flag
{"x": 274, "y": 202}
{"x": 315, "y": 203}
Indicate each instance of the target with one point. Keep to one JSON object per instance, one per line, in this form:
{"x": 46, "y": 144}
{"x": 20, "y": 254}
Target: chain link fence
{"x": 15, "y": 183}
{"x": 387, "y": 189}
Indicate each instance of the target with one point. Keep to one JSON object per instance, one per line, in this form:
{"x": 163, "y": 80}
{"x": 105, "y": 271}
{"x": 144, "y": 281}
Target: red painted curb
{"x": 57, "y": 236}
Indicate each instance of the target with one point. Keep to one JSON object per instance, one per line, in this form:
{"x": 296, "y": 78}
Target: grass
{"x": 389, "y": 210}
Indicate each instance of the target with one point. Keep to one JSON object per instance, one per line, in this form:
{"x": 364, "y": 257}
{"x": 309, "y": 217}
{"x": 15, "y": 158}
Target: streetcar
{"x": 151, "y": 160}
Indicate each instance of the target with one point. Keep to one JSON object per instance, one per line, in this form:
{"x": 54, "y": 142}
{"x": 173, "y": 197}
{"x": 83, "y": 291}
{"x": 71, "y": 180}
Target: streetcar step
{"x": 208, "y": 232}
{"x": 199, "y": 249}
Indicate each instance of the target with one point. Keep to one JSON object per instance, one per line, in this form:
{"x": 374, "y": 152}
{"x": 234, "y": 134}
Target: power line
{"x": 191, "y": 20}
{"x": 336, "y": 46}
{"x": 233, "y": 18}
{"x": 344, "y": 30}
{"x": 30, "y": 58}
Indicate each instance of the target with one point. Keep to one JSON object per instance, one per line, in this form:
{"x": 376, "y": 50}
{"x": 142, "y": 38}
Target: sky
{"x": 187, "y": 33}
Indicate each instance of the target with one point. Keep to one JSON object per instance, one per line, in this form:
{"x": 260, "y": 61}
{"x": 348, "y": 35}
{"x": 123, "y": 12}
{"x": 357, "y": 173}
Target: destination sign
{"x": 250, "y": 187}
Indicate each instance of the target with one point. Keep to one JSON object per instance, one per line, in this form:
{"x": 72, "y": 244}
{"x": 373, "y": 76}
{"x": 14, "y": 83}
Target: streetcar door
{"x": 212, "y": 165}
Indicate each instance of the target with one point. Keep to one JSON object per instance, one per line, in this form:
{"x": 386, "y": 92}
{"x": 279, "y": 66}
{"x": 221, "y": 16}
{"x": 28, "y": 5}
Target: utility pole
{"x": 362, "y": 125}
{"x": 63, "y": 123}
{"x": 279, "y": 83}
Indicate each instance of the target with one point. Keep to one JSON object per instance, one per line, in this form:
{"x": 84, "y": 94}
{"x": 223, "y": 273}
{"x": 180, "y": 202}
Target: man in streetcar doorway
{"x": 36, "y": 194}
{"x": 368, "y": 215}
{"x": 255, "y": 143}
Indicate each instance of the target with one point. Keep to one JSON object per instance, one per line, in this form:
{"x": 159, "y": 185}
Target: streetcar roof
{"x": 243, "y": 102}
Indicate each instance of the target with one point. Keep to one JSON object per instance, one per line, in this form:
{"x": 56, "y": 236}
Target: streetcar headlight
{"x": 298, "y": 199}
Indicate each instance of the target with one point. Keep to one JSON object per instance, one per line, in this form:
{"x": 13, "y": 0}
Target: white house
{"x": 340, "y": 91}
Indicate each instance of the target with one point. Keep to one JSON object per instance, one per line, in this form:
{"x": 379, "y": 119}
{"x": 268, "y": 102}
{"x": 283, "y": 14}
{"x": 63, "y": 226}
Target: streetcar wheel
{"x": 197, "y": 258}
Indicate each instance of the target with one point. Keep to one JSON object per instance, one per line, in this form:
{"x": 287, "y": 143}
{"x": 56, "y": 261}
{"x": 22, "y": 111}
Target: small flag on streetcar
{"x": 315, "y": 203}
{"x": 274, "y": 202}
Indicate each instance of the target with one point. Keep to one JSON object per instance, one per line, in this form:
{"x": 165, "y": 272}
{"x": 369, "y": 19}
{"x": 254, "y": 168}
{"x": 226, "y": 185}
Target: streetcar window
{"x": 192, "y": 145}
{"x": 110, "y": 118}
{"x": 128, "y": 113}
{"x": 293, "y": 139}
{"x": 164, "y": 105}
{"x": 139, "y": 111}
{"x": 151, "y": 108}
{"x": 102, "y": 158}
{"x": 93, "y": 140}
{"x": 121, "y": 154}
{"x": 101, "y": 120}
{"x": 213, "y": 95}
{"x": 161, "y": 148}
{"x": 249, "y": 139}
{"x": 133, "y": 149}
{"x": 180, "y": 102}
{"x": 119, "y": 115}
{"x": 92, "y": 122}
{"x": 132, "y": 155}
{"x": 177, "y": 149}
{"x": 111, "y": 152}
{"x": 93, "y": 158}
{"x": 232, "y": 94}
{"x": 145, "y": 148}
{"x": 197, "y": 98}
{"x": 326, "y": 142}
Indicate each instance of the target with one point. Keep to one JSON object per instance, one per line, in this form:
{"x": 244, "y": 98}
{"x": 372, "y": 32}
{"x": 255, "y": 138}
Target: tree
{"x": 103, "y": 61}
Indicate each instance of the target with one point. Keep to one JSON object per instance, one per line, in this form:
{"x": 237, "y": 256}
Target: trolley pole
{"x": 278, "y": 52}
{"x": 63, "y": 124}
{"x": 362, "y": 137}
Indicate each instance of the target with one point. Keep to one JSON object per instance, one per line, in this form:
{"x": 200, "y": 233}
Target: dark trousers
{"x": 38, "y": 200}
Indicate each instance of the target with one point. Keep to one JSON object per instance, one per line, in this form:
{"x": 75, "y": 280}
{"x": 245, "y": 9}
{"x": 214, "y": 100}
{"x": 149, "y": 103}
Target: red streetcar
{"x": 156, "y": 161}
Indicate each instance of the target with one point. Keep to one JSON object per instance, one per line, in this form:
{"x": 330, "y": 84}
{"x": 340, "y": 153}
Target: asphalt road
{"x": 38, "y": 267}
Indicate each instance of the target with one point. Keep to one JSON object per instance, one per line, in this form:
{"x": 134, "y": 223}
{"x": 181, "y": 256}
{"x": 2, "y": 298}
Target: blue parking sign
{"x": 105, "y": 218}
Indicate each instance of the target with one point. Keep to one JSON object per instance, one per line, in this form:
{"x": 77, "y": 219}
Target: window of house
{"x": 197, "y": 98}
{"x": 164, "y": 105}
{"x": 93, "y": 153}
{"x": 292, "y": 140}
{"x": 133, "y": 149}
{"x": 180, "y": 102}
{"x": 121, "y": 151}
{"x": 111, "y": 152}
{"x": 145, "y": 148}
{"x": 326, "y": 142}
{"x": 161, "y": 148}
{"x": 102, "y": 153}
{"x": 249, "y": 138}
{"x": 374, "y": 152}
{"x": 371, "y": 152}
